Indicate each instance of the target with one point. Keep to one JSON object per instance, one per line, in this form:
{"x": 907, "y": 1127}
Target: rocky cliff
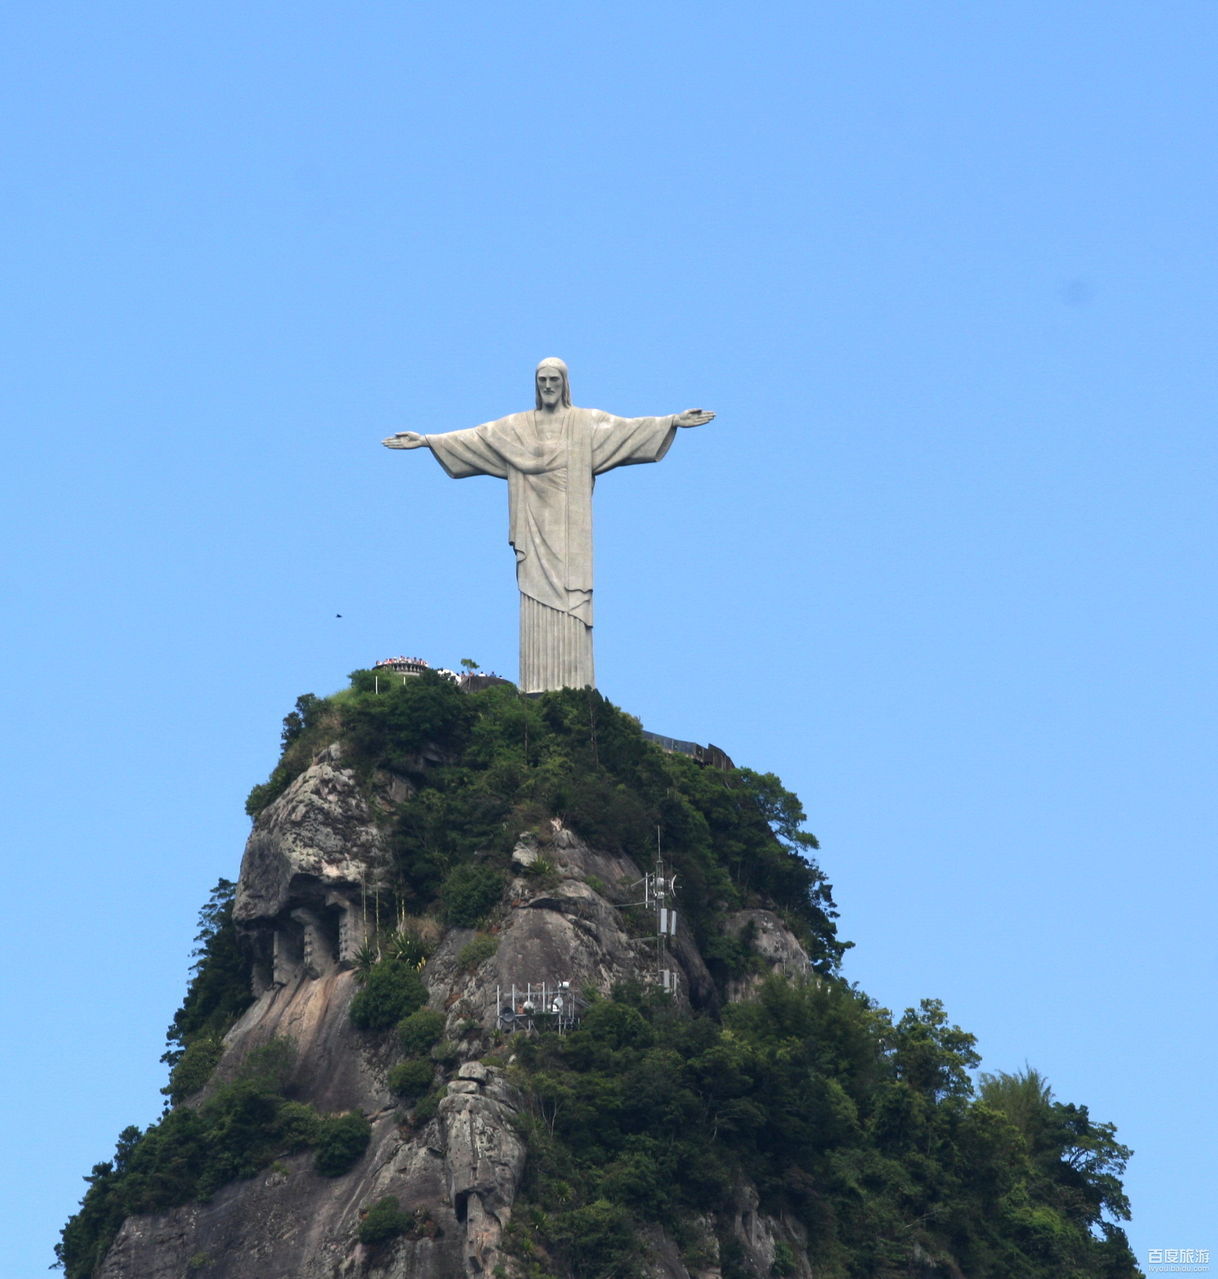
{"x": 314, "y": 861}
{"x": 458, "y": 1021}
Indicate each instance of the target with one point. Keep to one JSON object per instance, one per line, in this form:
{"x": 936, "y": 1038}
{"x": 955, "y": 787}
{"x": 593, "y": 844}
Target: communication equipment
{"x": 538, "y": 1006}
{"x": 660, "y": 888}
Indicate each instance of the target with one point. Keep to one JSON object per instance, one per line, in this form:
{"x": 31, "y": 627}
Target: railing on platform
{"x": 537, "y": 1006}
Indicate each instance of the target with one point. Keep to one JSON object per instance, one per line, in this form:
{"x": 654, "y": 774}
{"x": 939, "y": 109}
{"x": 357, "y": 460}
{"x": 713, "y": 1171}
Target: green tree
{"x": 219, "y": 988}
{"x": 932, "y": 1056}
{"x": 411, "y": 1078}
{"x": 391, "y": 729}
{"x": 306, "y": 715}
{"x": 1025, "y": 1099}
{"x": 385, "y": 1220}
{"x": 469, "y": 892}
{"x": 392, "y": 990}
{"x": 341, "y": 1142}
{"x": 420, "y": 1031}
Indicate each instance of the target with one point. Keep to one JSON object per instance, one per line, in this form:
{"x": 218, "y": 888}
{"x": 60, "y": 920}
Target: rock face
{"x": 310, "y": 864}
{"x": 314, "y": 858}
{"x": 485, "y": 1158}
{"x": 773, "y": 944}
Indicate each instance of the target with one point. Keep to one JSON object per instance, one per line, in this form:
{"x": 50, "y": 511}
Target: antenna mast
{"x": 659, "y": 892}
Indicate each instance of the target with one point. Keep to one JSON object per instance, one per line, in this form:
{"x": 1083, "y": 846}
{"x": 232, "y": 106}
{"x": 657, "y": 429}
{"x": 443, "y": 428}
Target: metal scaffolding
{"x": 538, "y": 1006}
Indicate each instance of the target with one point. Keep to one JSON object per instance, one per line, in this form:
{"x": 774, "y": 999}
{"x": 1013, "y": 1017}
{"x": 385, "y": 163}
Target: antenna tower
{"x": 659, "y": 894}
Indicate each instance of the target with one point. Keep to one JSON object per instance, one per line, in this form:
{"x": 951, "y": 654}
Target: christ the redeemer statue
{"x": 550, "y": 458}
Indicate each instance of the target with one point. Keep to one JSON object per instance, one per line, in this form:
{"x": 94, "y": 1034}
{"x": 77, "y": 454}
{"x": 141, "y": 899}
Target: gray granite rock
{"x": 773, "y": 942}
{"x": 314, "y": 852}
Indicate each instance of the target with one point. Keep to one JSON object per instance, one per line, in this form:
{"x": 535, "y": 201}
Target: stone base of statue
{"x": 555, "y": 649}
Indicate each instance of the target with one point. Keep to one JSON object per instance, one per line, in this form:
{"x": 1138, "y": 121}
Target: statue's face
{"x": 549, "y": 386}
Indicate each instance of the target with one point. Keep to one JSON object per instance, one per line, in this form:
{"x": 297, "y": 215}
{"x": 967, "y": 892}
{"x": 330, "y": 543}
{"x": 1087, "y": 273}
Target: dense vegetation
{"x": 243, "y": 1126}
{"x": 863, "y": 1130}
{"x": 489, "y": 766}
{"x": 217, "y": 994}
{"x": 866, "y": 1132}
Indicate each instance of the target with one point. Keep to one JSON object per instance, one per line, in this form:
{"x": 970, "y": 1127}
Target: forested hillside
{"x": 654, "y": 1130}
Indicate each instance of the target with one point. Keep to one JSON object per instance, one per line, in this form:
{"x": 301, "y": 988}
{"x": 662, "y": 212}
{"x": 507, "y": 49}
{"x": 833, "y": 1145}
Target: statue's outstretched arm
{"x": 405, "y": 440}
{"x": 473, "y": 451}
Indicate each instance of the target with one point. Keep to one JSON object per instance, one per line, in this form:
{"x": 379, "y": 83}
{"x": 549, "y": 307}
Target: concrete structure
{"x": 550, "y": 458}
{"x": 401, "y": 665}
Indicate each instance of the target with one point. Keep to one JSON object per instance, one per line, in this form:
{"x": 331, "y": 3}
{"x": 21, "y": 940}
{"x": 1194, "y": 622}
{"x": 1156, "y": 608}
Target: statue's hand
{"x": 405, "y": 440}
{"x": 693, "y": 417}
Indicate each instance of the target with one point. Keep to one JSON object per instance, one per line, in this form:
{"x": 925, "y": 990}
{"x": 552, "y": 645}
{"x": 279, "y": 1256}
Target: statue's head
{"x": 553, "y": 384}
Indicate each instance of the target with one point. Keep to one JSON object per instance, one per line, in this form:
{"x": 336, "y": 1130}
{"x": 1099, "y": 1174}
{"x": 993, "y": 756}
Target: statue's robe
{"x": 551, "y": 462}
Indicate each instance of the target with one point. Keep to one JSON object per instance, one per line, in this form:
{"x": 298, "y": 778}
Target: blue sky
{"x": 944, "y": 562}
